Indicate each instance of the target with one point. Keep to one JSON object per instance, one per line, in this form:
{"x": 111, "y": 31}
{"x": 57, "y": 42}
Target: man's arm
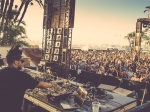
{"x": 46, "y": 85}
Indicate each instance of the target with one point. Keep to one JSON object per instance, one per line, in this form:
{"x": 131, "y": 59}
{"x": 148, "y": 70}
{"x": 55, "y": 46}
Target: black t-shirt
{"x": 13, "y": 84}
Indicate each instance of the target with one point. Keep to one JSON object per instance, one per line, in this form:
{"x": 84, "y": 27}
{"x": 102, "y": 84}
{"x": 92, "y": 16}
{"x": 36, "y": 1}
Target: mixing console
{"x": 50, "y": 95}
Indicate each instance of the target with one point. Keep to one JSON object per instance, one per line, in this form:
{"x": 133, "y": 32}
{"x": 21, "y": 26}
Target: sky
{"x": 96, "y": 21}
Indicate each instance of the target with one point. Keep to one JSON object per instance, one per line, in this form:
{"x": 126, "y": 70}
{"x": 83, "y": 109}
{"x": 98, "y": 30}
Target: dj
{"x": 13, "y": 82}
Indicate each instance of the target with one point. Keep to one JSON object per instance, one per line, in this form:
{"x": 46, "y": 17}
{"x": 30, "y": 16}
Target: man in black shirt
{"x": 13, "y": 82}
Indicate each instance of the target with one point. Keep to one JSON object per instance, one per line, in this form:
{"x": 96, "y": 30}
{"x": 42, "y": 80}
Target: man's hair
{"x": 14, "y": 54}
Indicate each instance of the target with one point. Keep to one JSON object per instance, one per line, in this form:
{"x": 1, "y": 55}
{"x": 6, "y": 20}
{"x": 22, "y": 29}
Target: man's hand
{"x": 47, "y": 85}
{"x": 55, "y": 85}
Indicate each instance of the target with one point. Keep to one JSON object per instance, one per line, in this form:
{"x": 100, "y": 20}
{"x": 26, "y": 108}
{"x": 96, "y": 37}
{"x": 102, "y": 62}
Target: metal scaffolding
{"x": 141, "y": 22}
{"x": 58, "y": 23}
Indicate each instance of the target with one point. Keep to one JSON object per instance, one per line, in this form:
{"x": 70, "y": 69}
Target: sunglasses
{"x": 22, "y": 61}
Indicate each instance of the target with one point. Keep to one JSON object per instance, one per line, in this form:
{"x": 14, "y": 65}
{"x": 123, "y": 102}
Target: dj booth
{"x": 117, "y": 104}
{"x": 43, "y": 98}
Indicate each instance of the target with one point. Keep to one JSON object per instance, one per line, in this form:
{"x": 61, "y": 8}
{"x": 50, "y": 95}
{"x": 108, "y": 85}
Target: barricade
{"x": 110, "y": 80}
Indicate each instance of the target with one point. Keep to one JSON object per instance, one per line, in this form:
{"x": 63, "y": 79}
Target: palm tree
{"x": 130, "y": 37}
{"x": 11, "y": 33}
{"x": 4, "y": 13}
{"x": 147, "y": 40}
{"x": 21, "y": 6}
{"x": 2, "y": 6}
{"x": 26, "y": 7}
{"x": 14, "y": 36}
{"x": 147, "y": 10}
{"x": 9, "y": 15}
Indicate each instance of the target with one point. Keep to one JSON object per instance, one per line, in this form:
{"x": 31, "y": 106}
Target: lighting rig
{"x": 141, "y": 23}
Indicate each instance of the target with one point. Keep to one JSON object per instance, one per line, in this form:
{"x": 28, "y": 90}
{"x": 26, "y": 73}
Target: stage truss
{"x": 58, "y": 23}
{"x": 141, "y": 23}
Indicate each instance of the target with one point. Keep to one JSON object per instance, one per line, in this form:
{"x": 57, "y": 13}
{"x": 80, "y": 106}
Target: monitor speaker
{"x": 124, "y": 92}
{"x": 50, "y": 31}
{"x": 59, "y": 31}
{"x": 50, "y": 37}
{"x": 106, "y": 87}
{"x": 56, "y": 51}
{"x": 57, "y": 44}
{"x": 58, "y": 38}
{"x": 46, "y": 56}
{"x": 55, "y": 58}
{"x": 47, "y": 50}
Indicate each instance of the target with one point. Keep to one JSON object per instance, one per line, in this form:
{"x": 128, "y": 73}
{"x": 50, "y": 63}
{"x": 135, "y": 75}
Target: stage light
{"x": 144, "y": 25}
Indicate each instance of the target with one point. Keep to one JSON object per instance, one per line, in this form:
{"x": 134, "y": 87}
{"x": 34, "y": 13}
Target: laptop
{"x": 78, "y": 101}
{"x": 106, "y": 87}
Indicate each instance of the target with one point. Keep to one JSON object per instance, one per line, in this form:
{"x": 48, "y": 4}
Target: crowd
{"x": 121, "y": 64}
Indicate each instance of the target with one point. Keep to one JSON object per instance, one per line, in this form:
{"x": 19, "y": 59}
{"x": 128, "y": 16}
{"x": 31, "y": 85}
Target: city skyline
{"x": 96, "y": 21}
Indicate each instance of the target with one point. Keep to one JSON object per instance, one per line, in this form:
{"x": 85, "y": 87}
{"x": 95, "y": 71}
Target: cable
{"x": 88, "y": 83}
